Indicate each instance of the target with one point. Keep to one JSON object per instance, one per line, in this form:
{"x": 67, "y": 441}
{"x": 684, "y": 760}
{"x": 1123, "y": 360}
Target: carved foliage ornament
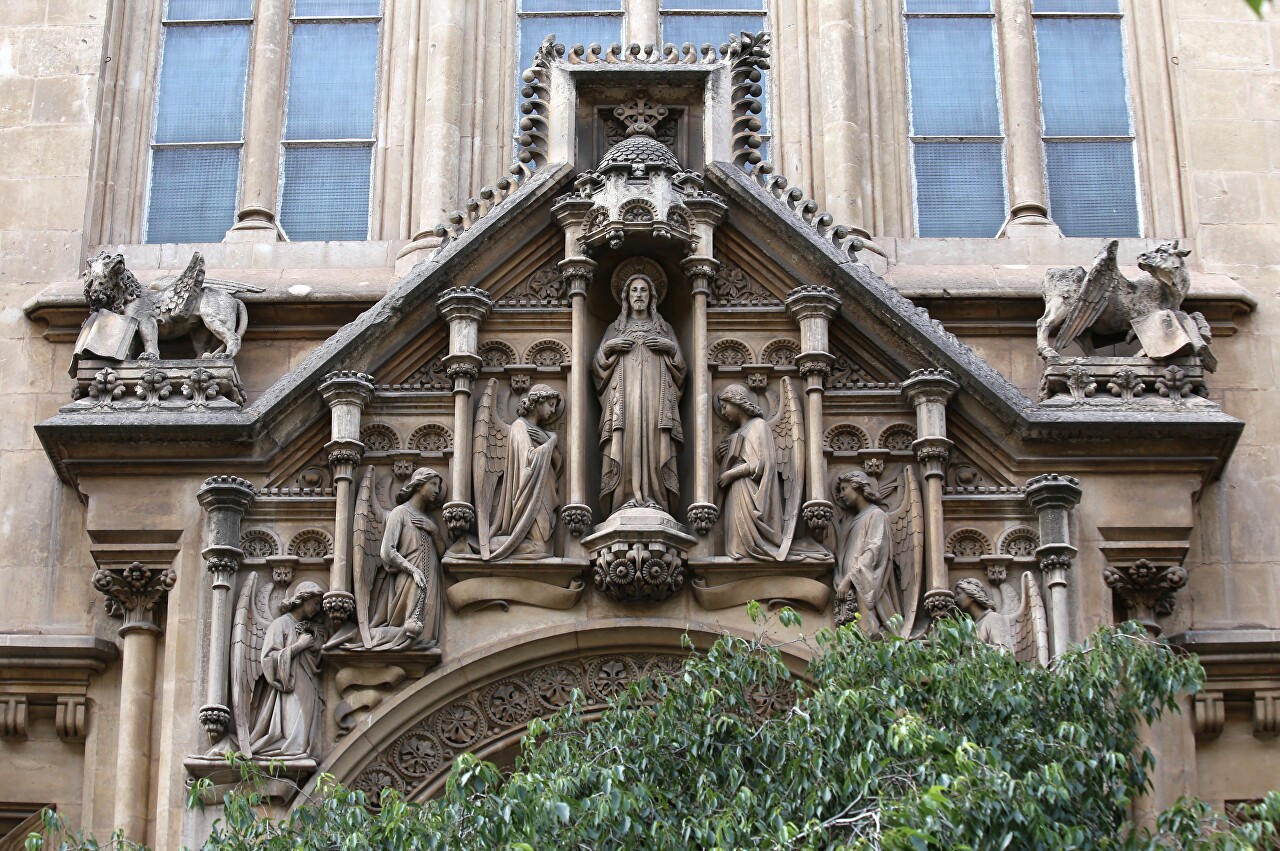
{"x": 134, "y": 592}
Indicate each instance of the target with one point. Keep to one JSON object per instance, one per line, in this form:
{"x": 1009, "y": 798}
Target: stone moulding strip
{"x": 774, "y": 590}
{"x": 471, "y": 595}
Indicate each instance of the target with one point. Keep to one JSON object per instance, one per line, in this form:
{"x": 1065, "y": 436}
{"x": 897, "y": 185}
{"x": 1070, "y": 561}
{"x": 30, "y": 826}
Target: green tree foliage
{"x": 887, "y": 744}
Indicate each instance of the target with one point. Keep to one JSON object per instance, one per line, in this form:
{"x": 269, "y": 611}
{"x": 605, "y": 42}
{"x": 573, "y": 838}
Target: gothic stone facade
{"x": 454, "y": 473}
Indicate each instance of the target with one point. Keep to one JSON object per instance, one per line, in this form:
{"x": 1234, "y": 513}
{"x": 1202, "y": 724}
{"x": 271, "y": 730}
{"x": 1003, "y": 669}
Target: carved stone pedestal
{"x": 1124, "y": 383}
{"x": 639, "y": 555}
{"x": 545, "y": 583}
{"x": 157, "y": 385}
{"x": 723, "y": 583}
{"x": 365, "y": 678}
{"x": 284, "y": 776}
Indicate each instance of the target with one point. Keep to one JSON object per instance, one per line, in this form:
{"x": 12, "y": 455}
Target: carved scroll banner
{"x": 471, "y": 595}
{"x": 797, "y": 590}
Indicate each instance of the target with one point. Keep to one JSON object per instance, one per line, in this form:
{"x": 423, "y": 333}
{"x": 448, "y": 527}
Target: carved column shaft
{"x": 929, "y": 391}
{"x": 442, "y": 135}
{"x": 135, "y": 594}
{"x": 1052, "y": 496}
{"x": 464, "y": 308}
{"x": 225, "y": 500}
{"x": 256, "y": 218}
{"x": 578, "y": 273}
{"x": 347, "y": 393}
{"x": 844, "y": 108}
{"x": 703, "y": 511}
{"x": 1028, "y": 196}
{"x": 812, "y": 307}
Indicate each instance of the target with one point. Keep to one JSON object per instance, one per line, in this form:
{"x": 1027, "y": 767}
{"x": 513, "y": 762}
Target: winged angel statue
{"x": 879, "y": 555}
{"x": 276, "y": 697}
{"x": 1020, "y": 628}
{"x": 762, "y": 478}
{"x": 515, "y": 471}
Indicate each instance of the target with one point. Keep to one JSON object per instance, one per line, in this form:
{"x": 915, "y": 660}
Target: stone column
{"x": 703, "y": 512}
{"x": 134, "y": 593}
{"x": 812, "y": 307}
{"x": 225, "y": 500}
{"x": 841, "y": 88}
{"x": 464, "y": 308}
{"x": 576, "y": 513}
{"x": 1028, "y": 193}
{"x": 930, "y": 390}
{"x": 256, "y": 217}
{"x": 1052, "y": 496}
{"x": 642, "y": 23}
{"x": 441, "y": 138}
{"x": 347, "y": 393}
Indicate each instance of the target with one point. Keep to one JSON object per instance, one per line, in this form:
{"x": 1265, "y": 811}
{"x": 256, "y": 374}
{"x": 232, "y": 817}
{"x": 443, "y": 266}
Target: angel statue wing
{"x": 248, "y": 633}
{"x": 1028, "y": 626}
{"x": 787, "y": 426}
{"x": 366, "y": 549}
{"x": 490, "y": 461}
{"x": 907, "y": 530}
{"x": 1099, "y": 282}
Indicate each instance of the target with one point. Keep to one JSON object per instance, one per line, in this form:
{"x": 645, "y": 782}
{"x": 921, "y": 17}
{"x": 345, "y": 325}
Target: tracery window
{"x": 966, "y": 73}
{"x": 306, "y": 164}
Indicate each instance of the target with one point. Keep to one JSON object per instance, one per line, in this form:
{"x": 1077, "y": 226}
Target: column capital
{"x": 346, "y": 387}
{"x": 578, "y": 273}
{"x": 226, "y": 492}
{"x": 812, "y": 301}
{"x": 134, "y": 593}
{"x": 462, "y": 366}
{"x": 1147, "y": 588}
{"x": 344, "y": 452}
{"x": 931, "y": 385}
{"x": 1053, "y": 490}
{"x": 700, "y": 271}
{"x": 464, "y": 304}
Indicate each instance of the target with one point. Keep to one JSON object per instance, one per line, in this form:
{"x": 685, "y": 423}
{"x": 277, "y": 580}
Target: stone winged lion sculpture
{"x": 189, "y": 303}
{"x": 1102, "y": 306}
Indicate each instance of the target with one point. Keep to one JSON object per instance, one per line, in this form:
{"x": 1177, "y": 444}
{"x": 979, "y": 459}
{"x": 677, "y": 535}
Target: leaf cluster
{"x": 888, "y": 744}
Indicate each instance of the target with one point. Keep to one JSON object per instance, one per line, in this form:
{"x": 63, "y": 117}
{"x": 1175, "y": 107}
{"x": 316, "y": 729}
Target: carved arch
{"x": 547, "y": 353}
{"x": 497, "y": 353}
{"x": 379, "y": 437}
{"x": 780, "y": 352}
{"x": 483, "y": 701}
{"x": 431, "y": 437}
{"x": 729, "y": 352}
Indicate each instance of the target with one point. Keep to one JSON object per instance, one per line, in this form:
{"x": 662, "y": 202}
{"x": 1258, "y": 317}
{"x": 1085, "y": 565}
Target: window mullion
{"x": 1028, "y": 193}
{"x": 642, "y": 22}
{"x": 256, "y": 216}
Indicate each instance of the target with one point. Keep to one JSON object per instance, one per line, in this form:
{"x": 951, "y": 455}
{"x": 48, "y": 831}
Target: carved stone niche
{"x": 1128, "y": 383}
{"x": 208, "y": 384}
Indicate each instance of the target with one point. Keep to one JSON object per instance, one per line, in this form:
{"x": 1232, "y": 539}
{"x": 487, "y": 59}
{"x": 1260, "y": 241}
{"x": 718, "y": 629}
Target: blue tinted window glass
{"x": 959, "y": 188}
{"x": 585, "y": 30}
{"x": 202, "y": 77}
{"x": 1092, "y": 189}
{"x": 326, "y": 193}
{"x": 336, "y": 8}
{"x": 1082, "y": 82}
{"x": 571, "y": 6}
{"x": 208, "y": 10}
{"x": 707, "y": 29}
{"x": 332, "y": 75}
{"x": 948, "y": 5}
{"x": 193, "y": 194}
{"x": 1076, "y": 6}
{"x": 952, "y": 77}
{"x": 714, "y": 5}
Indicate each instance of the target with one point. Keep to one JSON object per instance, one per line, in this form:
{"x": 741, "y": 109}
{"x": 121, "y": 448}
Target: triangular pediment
{"x": 766, "y": 247}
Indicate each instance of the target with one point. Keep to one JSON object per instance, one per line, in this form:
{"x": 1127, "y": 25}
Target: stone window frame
{"x": 1162, "y": 191}
{"x": 122, "y": 168}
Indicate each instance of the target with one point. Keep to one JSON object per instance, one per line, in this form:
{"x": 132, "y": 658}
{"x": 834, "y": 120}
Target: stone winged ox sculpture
{"x": 171, "y": 307}
{"x": 1102, "y": 306}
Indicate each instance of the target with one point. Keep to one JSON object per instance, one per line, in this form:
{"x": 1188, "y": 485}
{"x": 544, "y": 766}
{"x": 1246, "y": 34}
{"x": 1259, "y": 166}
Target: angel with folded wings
{"x": 276, "y": 698}
{"x": 1015, "y": 626}
{"x": 515, "y": 471}
{"x": 396, "y": 568}
{"x": 879, "y": 555}
{"x": 762, "y": 478}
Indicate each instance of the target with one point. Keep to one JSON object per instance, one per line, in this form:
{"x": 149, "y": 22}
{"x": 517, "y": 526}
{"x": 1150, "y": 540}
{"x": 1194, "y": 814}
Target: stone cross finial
{"x": 640, "y": 114}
